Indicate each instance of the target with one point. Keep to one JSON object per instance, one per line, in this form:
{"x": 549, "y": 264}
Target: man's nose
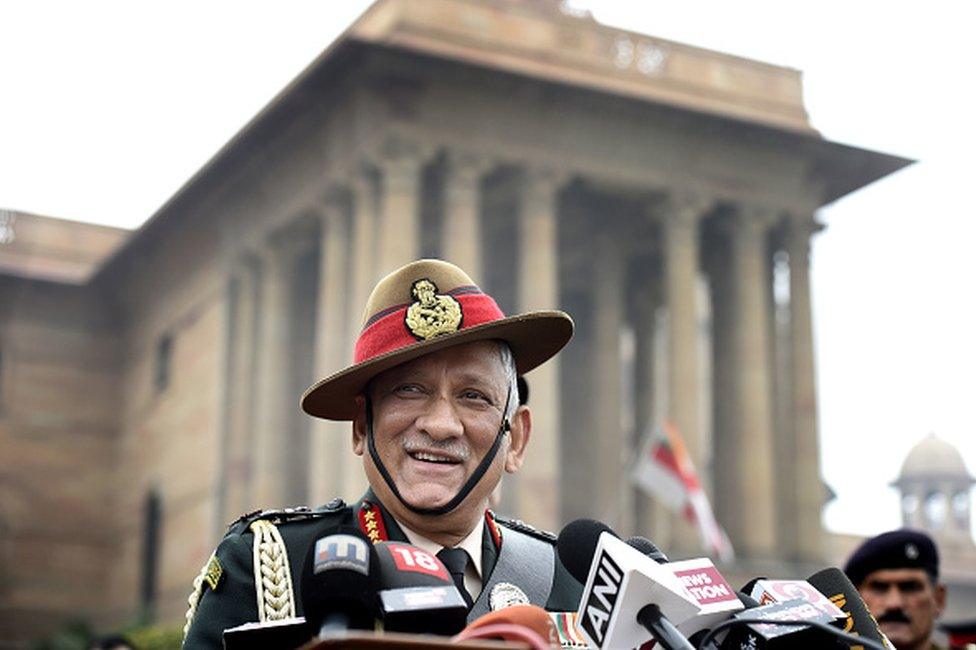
{"x": 892, "y": 599}
{"x": 441, "y": 419}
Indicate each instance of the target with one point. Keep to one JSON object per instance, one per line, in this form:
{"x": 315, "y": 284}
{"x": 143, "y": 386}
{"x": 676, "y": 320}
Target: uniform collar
{"x": 472, "y": 543}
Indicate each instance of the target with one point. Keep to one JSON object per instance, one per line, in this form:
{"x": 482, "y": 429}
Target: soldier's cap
{"x": 896, "y": 549}
{"x": 423, "y": 307}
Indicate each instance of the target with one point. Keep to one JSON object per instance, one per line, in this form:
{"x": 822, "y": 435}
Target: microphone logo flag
{"x": 603, "y": 597}
{"x": 341, "y": 552}
{"x": 665, "y": 471}
{"x": 411, "y": 558}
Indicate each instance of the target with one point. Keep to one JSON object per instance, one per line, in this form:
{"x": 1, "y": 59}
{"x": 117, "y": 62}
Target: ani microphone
{"x": 628, "y": 598}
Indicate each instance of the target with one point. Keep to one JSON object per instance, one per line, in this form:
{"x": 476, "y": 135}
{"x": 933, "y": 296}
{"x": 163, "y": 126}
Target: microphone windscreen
{"x": 403, "y": 565}
{"x": 339, "y": 577}
{"x": 576, "y": 545}
{"x": 532, "y": 617}
{"x": 522, "y": 637}
{"x": 835, "y": 585}
{"x": 648, "y": 548}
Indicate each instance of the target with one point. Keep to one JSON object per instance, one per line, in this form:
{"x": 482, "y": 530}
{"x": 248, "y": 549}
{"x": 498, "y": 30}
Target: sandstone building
{"x": 654, "y": 190}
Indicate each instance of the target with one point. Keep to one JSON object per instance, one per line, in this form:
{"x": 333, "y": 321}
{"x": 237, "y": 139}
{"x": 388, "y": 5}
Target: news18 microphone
{"x": 835, "y": 585}
{"x": 338, "y": 585}
{"x": 416, "y": 593}
{"x": 628, "y": 598}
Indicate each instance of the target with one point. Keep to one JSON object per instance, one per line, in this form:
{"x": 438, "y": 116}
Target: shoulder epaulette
{"x": 522, "y": 527}
{"x": 287, "y": 515}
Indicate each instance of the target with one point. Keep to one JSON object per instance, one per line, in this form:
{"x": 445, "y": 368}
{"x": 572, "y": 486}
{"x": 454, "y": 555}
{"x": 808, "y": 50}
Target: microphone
{"x": 338, "y": 587}
{"x": 416, "y": 593}
{"x": 757, "y": 631}
{"x": 626, "y": 594}
{"x": 835, "y": 585}
{"x": 289, "y": 633}
{"x": 767, "y": 591}
{"x": 498, "y": 625}
{"x": 716, "y": 599}
{"x": 648, "y": 548}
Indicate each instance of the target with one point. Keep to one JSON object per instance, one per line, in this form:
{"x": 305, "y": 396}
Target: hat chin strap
{"x": 465, "y": 490}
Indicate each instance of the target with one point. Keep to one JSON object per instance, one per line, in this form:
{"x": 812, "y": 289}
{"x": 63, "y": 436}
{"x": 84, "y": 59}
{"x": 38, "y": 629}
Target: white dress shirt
{"x": 472, "y": 544}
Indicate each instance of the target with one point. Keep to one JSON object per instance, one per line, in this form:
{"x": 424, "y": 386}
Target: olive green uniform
{"x": 226, "y": 595}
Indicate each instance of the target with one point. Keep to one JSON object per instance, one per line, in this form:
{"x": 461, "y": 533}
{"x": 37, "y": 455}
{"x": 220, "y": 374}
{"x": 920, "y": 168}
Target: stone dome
{"x": 934, "y": 458}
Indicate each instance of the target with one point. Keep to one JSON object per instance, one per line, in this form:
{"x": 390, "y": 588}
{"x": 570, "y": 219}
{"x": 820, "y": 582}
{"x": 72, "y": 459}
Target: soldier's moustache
{"x": 423, "y": 441}
{"x": 894, "y": 616}
{"x": 465, "y": 490}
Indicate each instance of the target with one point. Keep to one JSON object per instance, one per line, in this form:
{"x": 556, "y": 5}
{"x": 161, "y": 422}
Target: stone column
{"x": 274, "y": 403}
{"x": 609, "y": 478}
{"x": 725, "y": 447}
{"x": 461, "y": 234}
{"x": 401, "y": 162}
{"x": 681, "y": 246}
{"x": 327, "y": 438}
{"x": 753, "y": 405}
{"x": 241, "y": 380}
{"x": 362, "y": 273}
{"x": 809, "y": 490}
{"x": 652, "y": 519}
{"x": 537, "y": 483}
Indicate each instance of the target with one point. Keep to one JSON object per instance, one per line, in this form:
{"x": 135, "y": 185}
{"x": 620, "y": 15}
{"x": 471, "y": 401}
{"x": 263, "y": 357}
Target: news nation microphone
{"x": 835, "y": 585}
{"x": 716, "y": 599}
{"x": 416, "y": 592}
{"x": 628, "y": 598}
{"x": 339, "y": 583}
{"x": 510, "y": 623}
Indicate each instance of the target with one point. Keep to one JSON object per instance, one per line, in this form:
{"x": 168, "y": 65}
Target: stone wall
{"x": 59, "y": 386}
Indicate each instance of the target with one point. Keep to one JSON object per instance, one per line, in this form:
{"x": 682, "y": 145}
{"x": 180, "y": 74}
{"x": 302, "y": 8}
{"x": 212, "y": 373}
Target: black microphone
{"x": 835, "y": 585}
{"x": 626, "y": 593}
{"x": 338, "y": 585}
{"x": 416, "y": 593}
{"x": 648, "y": 548}
{"x": 758, "y": 628}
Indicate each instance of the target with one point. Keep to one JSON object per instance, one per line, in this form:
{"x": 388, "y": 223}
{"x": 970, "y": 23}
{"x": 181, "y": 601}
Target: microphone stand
{"x": 665, "y": 633}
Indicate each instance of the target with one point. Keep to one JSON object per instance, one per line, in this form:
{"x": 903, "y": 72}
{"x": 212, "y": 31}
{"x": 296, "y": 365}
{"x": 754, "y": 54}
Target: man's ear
{"x": 940, "y": 599}
{"x": 519, "y": 436}
{"x": 359, "y": 427}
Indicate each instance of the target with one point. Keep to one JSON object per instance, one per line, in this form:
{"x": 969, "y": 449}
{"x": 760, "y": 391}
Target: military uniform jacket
{"x": 254, "y": 573}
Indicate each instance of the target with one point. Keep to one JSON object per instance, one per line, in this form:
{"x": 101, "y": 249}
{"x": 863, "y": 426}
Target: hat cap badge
{"x": 911, "y": 551}
{"x": 432, "y": 314}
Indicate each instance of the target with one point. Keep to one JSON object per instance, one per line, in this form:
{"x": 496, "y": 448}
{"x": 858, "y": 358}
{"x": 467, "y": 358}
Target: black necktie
{"x": 456, "y": 560}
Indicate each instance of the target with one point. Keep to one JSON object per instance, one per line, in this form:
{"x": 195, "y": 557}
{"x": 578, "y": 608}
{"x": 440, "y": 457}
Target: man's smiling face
{"x": 434, "y": 420}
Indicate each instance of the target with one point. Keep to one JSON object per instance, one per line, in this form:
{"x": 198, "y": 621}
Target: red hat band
{"x": 430, "y": 316}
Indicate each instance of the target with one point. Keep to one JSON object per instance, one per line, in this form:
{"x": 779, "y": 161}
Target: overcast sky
{"x": 109, "y": 107}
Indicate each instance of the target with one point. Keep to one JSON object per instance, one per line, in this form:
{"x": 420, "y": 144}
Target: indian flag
{"x": 665, "y": 471}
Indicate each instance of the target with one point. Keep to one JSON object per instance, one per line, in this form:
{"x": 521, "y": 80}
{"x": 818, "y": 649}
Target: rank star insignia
{"x": 214, "y": 573}
{"x": 432, "y": 314}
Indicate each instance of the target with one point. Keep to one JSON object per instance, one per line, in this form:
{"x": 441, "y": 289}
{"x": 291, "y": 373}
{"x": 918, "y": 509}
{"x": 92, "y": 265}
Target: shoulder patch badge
{"x": 214, "y": 573}
{"x": 505, "y": 594}
{"x": 432, "y": 314}
{"x": 522, "y": 527}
